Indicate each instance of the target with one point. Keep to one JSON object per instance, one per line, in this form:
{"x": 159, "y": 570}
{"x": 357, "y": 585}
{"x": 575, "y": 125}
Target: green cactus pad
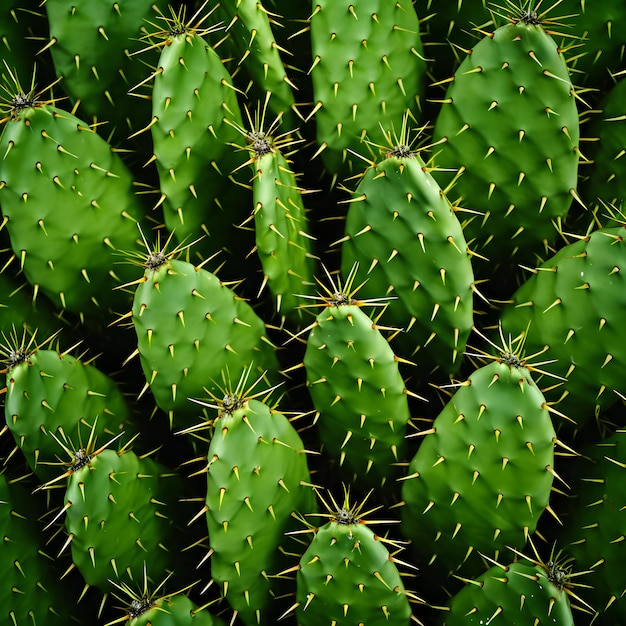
{"x": 172, "y": 610}
{"x": 70, "y": 208}
{"x": 408, "y": 242}
{"x": 190, "y": 328}
{"x": 482, "y": 477}
{"x": 367, "y": 70}
{"x": 519, "y": 594}
{"x": 572, "y": 307}
{"x": 53, "y": 394}
{"x": 604, "y": 183}
{"x": 509, "y": 126}
{"x": 598, "y": 43}
{"x": 358, "y": 393}
{"x": 122, "y": 515}
{"x": 195, "y": 115}
{"x": 250, "y": 29}
{"x": 283, "y": 243}
{"x": 347, "y": 576}
{"x": 30, "y": 589}
{"x": 92, "y": 44}
{"x": 257, "y": 478}
{"x": 593, "y": 524}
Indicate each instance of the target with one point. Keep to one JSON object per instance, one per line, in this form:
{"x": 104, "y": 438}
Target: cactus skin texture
{"x": 448, "y": 31}
{"x": 283, "y": 243}
{"x": 367, "y": 70}
{"x": 92, "y": 46}
{"x": 30, "y": 590}
{"x": 190, "y": 328}
{"x": 354, "y": 380}
{"x": 121, "y": 515}
{"x": 52, "y": 393}
{"x": 257, "y": 478}
{"x": 70, "y": 208}
{"x": 573, "y": 304}
{"x": 520, "y": 594}
{"x": 482, "y": 477}
{"x": 195, "y": 115}
{"x": 409, "y": 245}
{"x": 509, "y": 124}
{"x": 347, "y": 577}
{"x": 604, "y": 184}
{"x": 248, "y": 24}
{"x": 599, "y": 48}
{"x": 594, "y": 525}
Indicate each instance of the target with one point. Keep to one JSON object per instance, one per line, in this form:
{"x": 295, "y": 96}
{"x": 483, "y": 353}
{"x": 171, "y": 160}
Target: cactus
{"x": 482, "y": 476}
{"x": 183, "y": 315}
{"x": 404, "y": 234}
{"x": 557, "y": 306}
{"x": 92, "y": 45}
{"x": 347, "y": 575}
{"x": 357, "y": 389}
{"x": 264, "y": 142}
{"x": 367, "y": 70}
{"x": 283, "y": 243}
{"x": 257, "y": 479}
{"x": 508, "y": 126}
{"x": 249, "y": 29}
{"x": 194, "y": 117}
{"x": 53, "y": 394}
{"x": 30, "y": 591}
{"x": 526, "y": 591}
{"x": 121, "y": 515}
{"x": 69, "y": 205}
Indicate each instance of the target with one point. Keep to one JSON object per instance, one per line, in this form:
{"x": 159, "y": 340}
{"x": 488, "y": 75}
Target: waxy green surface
{"x": 257, "y": 478}
{"x": 481, "y": 479}
{"x": 408, "y": 242}
{"x": 348, "y": 577}
{"x": 355, "y": 383}
{"x": 509, "y": 123}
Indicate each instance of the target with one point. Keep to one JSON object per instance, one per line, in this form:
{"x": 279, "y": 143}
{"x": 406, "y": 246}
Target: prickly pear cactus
{"x": 92, "y": 44}
{"x": 284, "y": 245}
{"x": 30, "y": 591}
{"x": 483, "y": 474}
{"x": 122, "y": 516}
{"x": 195, "y": 115}
{"x": 524, "y": 592}
{"x": 69, "y": 205}
{"x": 147, "y": 608}
{"x": 367, "y": 70}
{"x": 506, "y": 141}
{"x": 257, "y": 479}
{"x": 357, "y": 390}
{"x": 190, "y": 328}
{"x": 578, "y": 334}
{"x": 593, "y": 524}
{"x": 52, "y": 395}
{"x": 348, "y": 576}
{"x": 249, "y": 30}
{"x": 604, "y": 185}
{"x": 408, "y": 242}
